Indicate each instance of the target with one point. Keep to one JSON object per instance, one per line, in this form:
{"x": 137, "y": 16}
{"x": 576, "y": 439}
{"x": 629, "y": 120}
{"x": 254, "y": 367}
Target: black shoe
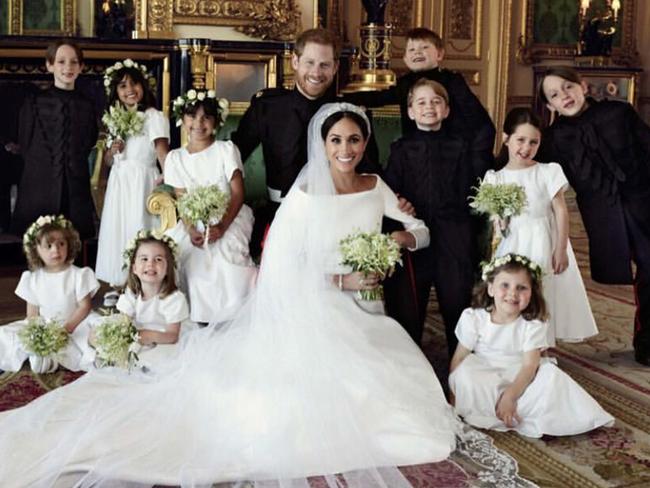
{"x": 642, "y": 356}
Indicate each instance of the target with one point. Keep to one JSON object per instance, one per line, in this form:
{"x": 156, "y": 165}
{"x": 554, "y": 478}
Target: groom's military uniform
{"x": 278, "y": 119}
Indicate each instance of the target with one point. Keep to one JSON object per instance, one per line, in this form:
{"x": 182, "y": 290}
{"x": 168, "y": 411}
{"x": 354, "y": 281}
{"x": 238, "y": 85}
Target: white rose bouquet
{"x": 203, "y": 206}
{"x": 370, "y": 252}
{"x": 116, "y": 342}
{"x": 43, "y": 337}
{"x": 121, "y": 122}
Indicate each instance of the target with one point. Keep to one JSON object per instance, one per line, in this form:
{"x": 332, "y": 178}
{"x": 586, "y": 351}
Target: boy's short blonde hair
{"x": 437, "y": 88}
{"x": 424, "y": 34}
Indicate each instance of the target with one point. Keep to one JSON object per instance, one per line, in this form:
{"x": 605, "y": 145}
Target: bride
{"x": 305, "y": 381}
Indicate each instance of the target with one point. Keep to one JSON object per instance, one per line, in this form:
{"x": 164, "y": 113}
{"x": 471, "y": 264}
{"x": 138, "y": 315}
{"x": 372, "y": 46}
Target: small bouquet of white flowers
{"x": 121, "y": 122}
{"x": 203, "y": 206}
{"x": 43, "y": 337}
{"x": 116, "y": 342}
{"x": 371, "y": 252}
{"x": 501, "y": 201}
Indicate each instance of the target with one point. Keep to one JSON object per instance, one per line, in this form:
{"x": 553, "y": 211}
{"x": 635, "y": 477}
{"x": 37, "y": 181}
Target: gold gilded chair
{"x": 162, "y": 202}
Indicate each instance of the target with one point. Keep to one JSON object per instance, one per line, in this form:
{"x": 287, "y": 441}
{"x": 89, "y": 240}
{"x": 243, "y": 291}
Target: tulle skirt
{"x": 244, "y": 403}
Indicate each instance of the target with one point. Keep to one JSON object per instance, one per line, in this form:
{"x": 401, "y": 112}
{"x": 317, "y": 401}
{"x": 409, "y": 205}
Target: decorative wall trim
{"x": 462, "y": 32}
{"x": 67, "y": 24}
{"x": 529, "y": 51}
{"x": 264, "y": 19}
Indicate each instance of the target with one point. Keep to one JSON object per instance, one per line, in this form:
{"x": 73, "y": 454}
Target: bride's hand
{"x": 360, "y": 281}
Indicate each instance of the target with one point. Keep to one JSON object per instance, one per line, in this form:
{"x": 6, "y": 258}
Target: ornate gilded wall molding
{"x": 154, "y": 19}
{"x": 531, "y": 50}
{"x": 22, "y": 23}
{"x": 462, "y": 32}
{"x": 264, "y": 19}
{"x": 400, "y": 16}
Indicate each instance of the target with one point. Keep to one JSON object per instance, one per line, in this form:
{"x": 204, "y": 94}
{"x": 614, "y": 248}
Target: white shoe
{"x": 110, "y": 299}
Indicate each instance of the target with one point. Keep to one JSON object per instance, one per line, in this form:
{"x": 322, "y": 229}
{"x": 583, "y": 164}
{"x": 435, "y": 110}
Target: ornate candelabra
{"x": 596, "y": 34}
{"x": 371, "y": 63}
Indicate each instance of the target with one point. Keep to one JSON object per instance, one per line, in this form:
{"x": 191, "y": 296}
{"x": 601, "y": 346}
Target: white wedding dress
{"x": 303, "y": 382}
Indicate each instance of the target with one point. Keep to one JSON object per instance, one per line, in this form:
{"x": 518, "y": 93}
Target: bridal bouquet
{"x": 116, "y": 342}
{"x": 121, "y": 122}
{"x": 203, "y": 206}
{"x": 43, "y": 337}
{"x": 371, "y": 252}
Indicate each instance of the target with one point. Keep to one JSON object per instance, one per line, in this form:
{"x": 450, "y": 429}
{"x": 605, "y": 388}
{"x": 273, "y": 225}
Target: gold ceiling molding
{"x": 264, "y": 19}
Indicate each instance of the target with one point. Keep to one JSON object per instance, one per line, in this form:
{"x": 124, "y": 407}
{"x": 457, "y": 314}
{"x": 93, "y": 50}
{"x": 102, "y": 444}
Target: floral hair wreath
{"x": 191, "y": 97}
{"x": 534, "y": 268}
{"x": 29, "y": 237}
{"x": 142, "y": 235}
{"x": 110, "y": 72}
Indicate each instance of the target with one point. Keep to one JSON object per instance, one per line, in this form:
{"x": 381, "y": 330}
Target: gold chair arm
{"x": 163, "y": 204}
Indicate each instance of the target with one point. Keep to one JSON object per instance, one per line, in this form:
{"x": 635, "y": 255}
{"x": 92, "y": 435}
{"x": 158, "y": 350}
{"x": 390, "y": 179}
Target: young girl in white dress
{"x": 541, "y": 232}
{"x": 134, "y": 170}
{"x": 497, "y": 374}
{"x": 151, "y": 297}
{"x": 219, "y": 274}
{"x": 54, "y": 289}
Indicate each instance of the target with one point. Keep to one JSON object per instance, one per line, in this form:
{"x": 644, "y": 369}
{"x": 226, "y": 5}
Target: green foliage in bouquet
{"x": 43, "y": 337}
{"x": 370, "y": 252}
{"x": 501, "y": 199}
{"x": 121, "y": 122}
{"x": 204, "y": 204}
{"x": 116, "y": 342}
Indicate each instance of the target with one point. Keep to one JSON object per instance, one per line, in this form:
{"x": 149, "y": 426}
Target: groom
{"x": 278, "y": 119}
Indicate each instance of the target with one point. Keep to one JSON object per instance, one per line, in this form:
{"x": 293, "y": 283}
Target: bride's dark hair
{"x": 336, "y": 116}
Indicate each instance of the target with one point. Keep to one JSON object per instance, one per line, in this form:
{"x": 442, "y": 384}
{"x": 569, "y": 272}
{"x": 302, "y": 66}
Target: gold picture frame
{"x": 44, "y": 18}
{"x": 531, "y": 50}
{"x": 265, "y": 19}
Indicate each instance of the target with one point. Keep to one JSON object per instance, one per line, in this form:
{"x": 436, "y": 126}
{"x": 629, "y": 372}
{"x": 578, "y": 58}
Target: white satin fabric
{"x": 302, "y": 382}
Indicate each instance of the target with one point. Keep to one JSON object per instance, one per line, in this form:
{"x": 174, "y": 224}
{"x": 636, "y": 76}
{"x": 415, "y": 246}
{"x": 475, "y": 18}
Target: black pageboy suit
{"x": 605, "y": 154}
{"x": 435, "y": 171}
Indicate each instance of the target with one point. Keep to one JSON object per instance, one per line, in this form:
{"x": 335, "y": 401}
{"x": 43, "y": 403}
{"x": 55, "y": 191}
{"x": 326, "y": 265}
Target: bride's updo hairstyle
{"x": 337, "y": 116}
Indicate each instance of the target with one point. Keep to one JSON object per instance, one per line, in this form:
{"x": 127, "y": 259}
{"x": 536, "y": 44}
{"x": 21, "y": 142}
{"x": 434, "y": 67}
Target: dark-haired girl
{"x": 498, "y": 376}
{"x": 219, "y": 274}
{"x": 133, "y": 168}
{"x": 541, "y": 232}
{"x": 604, "y": 150}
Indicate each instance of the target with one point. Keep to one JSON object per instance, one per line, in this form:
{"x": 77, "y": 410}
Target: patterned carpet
{"x": 614, "y": 457}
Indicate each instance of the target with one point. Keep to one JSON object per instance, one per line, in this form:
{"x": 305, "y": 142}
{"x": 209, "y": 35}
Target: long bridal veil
{"x": 301, "y": 383}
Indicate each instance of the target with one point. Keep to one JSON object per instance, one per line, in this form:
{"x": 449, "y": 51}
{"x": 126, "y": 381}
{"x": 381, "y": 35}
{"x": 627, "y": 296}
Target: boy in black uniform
{"x": 435, "y": 168}
{"x": 468, "y": 118}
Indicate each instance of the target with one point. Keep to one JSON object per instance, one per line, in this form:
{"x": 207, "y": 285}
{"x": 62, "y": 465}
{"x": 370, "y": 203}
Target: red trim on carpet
{"x": 598, "y": 370}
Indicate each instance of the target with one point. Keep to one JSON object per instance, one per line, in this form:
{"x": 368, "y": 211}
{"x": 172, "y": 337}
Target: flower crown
{"x": 534, "y": 268}
{"x": 29, "y": 238}
{"x": 111, "y": 71}
{"x": 142, "y": 235}
{"x": 191, "y": 97}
